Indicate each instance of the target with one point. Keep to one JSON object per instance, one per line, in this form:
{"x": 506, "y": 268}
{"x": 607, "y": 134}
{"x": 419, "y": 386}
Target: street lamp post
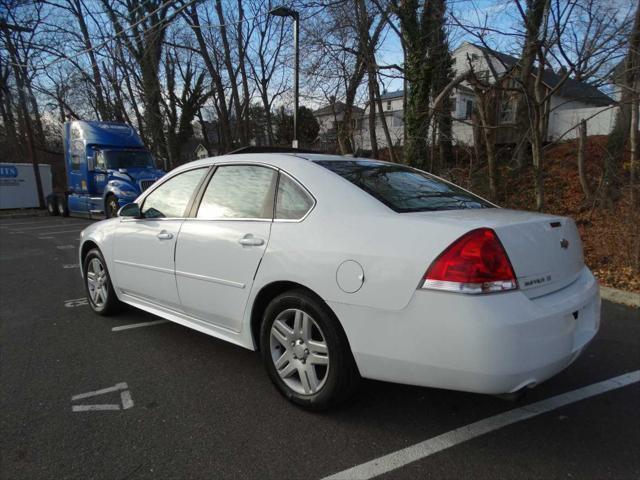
{"x": 283, "y": 11}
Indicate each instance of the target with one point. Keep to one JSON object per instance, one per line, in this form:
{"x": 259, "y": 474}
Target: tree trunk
{"x": 243, "y": 73}
{"x": 28, "y": 128}
{"x": 619, "y": 136}
{"x": 103, "y": 111}
{"x": 534, "y": 17}
{"x": 633, "y": 147}
{"x": 6, "y": 113}
{"x": 387, "y": 135}
{"x": 266, "y": 105}
{"x": 228, "y": 62}
{"x": 225, "y": 139}
{"x": 372, "y": 119}
{"x": 582, "y": 147}
{"x": 485, "y": 102}
{"x": 538, "y": 165}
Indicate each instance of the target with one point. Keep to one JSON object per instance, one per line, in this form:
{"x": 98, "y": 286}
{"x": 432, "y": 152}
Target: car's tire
{"x": 97, "y": 283}
{"x": 63, "y": 209}
{"x": 52, "y": 205}
{"x": 300, "y": 374}
{"x": 111, "y": 206}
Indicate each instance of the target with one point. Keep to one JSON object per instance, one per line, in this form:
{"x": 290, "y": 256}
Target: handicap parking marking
{"x": 419, "y": 451}
{"x": 126, "y": 400}
{"x": 138, "y": 325}
{"x": 76, "y": 302}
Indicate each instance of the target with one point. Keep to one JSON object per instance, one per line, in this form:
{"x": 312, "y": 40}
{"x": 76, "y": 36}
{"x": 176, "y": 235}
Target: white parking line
{"x": 65, "y": 247}
{"x": 116, "y": 388}
{"x": 54, "y": 225}
{"x": 11, "y": 224}
{"x": 71, "y": 265}
{"x": 138, "y": 325}
{"x": 95, "y": 408}
{"x": 60, "y": 232}
{"x": 450, "y": 439}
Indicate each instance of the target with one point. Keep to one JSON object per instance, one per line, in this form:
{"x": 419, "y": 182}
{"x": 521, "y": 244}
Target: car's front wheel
{"x": 306, "y": 352}
{"x": 100, "y": 292}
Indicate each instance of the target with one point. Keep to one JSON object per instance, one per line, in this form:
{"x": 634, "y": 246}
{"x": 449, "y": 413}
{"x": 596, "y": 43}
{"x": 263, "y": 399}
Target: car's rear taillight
{"x": 475, "y": 263}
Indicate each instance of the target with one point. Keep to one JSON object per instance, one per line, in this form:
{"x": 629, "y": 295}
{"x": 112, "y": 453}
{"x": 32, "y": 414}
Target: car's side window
{"x": 171, "y": 198}
{"x": 292, "y": 202}
{"x": 239, "y": 191}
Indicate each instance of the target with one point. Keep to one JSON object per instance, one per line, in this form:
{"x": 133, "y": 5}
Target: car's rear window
{"x": 402, "y": 188}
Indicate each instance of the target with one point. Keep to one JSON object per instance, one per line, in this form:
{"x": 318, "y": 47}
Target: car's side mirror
{"x": 91, "y": 163}
{"x": 130, "y": 210}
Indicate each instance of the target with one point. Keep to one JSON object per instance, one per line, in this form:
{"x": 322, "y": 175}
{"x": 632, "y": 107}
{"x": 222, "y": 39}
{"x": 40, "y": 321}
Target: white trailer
{"x": 18, "y": 185}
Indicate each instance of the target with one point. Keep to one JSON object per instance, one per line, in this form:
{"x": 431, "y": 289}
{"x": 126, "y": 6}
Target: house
{"x": 330, "y": 118}
{"x": 572, "y": 102}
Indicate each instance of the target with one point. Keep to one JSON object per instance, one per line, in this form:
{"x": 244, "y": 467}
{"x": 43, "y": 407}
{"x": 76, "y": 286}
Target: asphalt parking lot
{"x": 84, "y": 396}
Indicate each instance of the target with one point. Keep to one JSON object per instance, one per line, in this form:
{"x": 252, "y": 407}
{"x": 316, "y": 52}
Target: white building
{"x": 571, "y": 103}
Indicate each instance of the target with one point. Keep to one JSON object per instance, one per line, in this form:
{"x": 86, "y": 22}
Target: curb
{"x": 630, "y": 299}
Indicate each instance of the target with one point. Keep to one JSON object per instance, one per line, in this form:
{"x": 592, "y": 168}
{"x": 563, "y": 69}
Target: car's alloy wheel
{"x": 96, "y": 282}
{"x": 306, "y": 352}
{"x": 100, "y": 292}
{"x": 299, "y": 351}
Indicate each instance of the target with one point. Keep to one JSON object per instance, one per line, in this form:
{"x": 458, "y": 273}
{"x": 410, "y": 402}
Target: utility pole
{"x": 17, "y": 72}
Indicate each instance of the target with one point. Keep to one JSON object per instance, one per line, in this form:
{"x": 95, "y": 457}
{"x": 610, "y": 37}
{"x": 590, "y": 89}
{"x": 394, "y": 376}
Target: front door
{"x": 218, "y": 251}
{"x": 144, "y": 248}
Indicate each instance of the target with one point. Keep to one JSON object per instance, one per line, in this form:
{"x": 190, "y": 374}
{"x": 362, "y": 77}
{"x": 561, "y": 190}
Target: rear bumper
{"x": 479, "y": 343}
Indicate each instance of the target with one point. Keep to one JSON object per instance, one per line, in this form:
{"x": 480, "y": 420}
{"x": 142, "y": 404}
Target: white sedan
{"x": 337, "y": 268}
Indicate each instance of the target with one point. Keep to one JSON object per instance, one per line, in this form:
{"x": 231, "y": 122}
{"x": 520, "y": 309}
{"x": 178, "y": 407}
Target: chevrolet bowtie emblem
{"x": 564, "y": 243}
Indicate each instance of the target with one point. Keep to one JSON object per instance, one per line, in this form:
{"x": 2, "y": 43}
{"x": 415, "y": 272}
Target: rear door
{"x": 144, "y": 248}
{"x": 219, "y": 249}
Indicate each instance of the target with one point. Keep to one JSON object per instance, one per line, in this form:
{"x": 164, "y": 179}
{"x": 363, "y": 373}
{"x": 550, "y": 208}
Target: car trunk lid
{"x": 545, "y": 250}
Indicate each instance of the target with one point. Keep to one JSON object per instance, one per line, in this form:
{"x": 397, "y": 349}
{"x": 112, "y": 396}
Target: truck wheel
{"x": 111, "y": 207}
{"x": 52, "y": 205}
{"x": 63, "y": 210}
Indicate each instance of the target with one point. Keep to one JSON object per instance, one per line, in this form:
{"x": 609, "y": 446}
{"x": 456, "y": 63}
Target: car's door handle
{"x": 164, "y": 235}
{"x": 250, "y": 241}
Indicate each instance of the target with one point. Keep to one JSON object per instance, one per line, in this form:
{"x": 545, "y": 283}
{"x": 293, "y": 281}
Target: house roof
{"x": 335, "y": 108}
{"x": 571, "y": 88}
{"x": 390, "y": 95}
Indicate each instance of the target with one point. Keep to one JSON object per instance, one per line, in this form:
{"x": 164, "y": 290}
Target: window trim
{"x": 140, "y": 200}
{"x": 417, "y": 170}
{"x": 194, "y": 202}
{"x": 304, "y": 189}
{"x": 197, "y": 200}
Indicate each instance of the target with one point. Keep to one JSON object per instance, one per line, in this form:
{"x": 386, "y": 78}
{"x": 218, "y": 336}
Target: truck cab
{"x": 107, "y": 166}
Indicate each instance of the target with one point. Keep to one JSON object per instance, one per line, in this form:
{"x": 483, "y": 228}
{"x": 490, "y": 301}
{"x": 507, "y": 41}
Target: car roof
{"x": 280, "y": 159}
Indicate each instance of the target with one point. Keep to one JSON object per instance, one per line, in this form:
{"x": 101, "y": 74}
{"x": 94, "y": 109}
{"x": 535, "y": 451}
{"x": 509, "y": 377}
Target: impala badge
{"x": 564, "y": 243}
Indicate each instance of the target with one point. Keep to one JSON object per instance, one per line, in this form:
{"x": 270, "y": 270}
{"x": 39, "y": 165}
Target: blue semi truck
{"x": 107, "y": 166}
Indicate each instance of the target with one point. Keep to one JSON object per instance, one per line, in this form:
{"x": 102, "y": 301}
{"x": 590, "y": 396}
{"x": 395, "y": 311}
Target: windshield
{"x": 402, "y": 188}
{"x": 116, "y": 159}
